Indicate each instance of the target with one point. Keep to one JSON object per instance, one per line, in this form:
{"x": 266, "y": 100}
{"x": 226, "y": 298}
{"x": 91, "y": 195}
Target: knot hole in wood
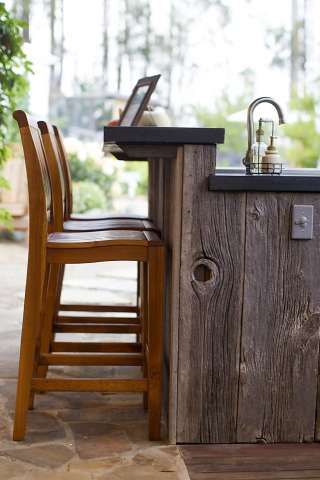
{"x": 205, "y": 271}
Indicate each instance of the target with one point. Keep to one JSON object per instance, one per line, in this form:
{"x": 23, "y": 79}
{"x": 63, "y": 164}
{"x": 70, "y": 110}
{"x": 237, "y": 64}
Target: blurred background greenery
{"x": 215, "y": 57}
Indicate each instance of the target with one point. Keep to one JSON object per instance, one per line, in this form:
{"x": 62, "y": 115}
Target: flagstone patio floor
{"x": 74, "y": 436}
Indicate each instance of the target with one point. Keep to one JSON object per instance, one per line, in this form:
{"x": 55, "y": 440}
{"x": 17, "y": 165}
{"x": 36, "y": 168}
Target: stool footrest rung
{"x": 89, "y": 385}
{"x": 91, "y": 319}
{"x": 82, "y": 328}
{"x": 98, "y": 308}
{"x": 90, "y": 359}
{"x": 91, "y": 347}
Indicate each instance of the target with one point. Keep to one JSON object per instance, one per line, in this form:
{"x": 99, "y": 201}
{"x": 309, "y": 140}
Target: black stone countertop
{"x": 163, "y": 135}
{"x": 235, "y": 180}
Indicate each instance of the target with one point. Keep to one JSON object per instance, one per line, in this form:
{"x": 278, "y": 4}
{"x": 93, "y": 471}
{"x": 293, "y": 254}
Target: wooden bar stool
{"x": 65, "y": 168}
{"x": 49, "y": 250}
{"x": 60, "y": 178}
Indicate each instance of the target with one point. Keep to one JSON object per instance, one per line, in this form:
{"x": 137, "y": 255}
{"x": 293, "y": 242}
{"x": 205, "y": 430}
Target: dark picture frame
{"x": 138, "y": 101}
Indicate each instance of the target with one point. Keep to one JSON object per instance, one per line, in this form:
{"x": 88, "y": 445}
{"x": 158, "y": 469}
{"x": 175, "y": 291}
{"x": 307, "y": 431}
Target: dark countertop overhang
{"x": 164, "y": 135}
{"x": 141, "y": 143}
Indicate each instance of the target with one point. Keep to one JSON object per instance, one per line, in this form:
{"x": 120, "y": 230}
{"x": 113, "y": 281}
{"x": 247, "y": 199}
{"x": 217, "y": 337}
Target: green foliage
{"x": 142, "y": 169}
{"x": 4, "y": 184}
{"x": 304, "y": 150}
{"x": 14, "y": 67}
{"x": 234, "y": 148}
{"x": 278, "y": 42}
{"x": 92, "y": 174}
{"x": 88, "y": 196}
{"x": 5, "y": 219}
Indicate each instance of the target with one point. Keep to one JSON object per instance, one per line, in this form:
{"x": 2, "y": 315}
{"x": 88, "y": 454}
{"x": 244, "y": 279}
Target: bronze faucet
{"x": 250, "y": 123}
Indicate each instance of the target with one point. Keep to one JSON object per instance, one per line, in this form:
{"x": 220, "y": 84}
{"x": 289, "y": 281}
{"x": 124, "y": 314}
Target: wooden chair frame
{"x": 65, "y": 168}
{"x": 49, "y": 250}
{"x": 60, "y": 178}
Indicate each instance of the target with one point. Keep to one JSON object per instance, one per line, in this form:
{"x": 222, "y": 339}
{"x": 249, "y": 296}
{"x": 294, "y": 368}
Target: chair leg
{"x": 29, "y": 339}
{"x": 60, "y": 284}
{"x": 35, "y": 367}
{"x": 49, "y": 312}
{"x": 155, "y": 337}
{"x": 144, "y": 318}
{"x": 138, "y": 284}
{"x": 138, "y": 299}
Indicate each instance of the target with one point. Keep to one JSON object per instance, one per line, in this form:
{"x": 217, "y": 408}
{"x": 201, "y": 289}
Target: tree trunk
{"x": 127, "y": 36}
{"x": 304, "y": 53}
{"x": 170, "y": 53}
{"x": 120, "y": 41}
{"x": 21, "y": 9}
{"x": 61, "y": 47}
{"x": 105, "y": 45}
{"x": 57, "y": 51}
{"x": 294, "y": 49}
{"x": 147, "y": 43}
{"x": 52, "y": 79}
{"x": 26, "y": 19}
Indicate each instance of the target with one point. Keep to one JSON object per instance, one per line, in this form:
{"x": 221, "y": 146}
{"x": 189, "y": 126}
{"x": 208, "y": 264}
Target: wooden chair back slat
{"x": 39, "y": 187}
{"x": 66, "y": 172}
{"x": 55, "y": 172}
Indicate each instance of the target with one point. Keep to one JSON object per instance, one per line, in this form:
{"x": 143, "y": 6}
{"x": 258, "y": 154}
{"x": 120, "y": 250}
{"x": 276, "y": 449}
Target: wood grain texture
{"x": 40, "y": 208}
{"x": 252, "y": 462}
{"x": 102, "y": 319}
{"x": 72, "y": 307}
{"x": 156, "y": 192}
{"x": 90, "y": 359}
{"x": 84, "y": 328}
{"x": 281, "y": 313}
{"x": 143, "y": 152}
{"x": 210, "y": 308}
{"x": 154, "y": 341}
{"x": 152, "y": 188}
{"x": 165, "y": 200}
{"x": 98, "y": 347}
{"x": 89, "y": 385}
{"x": 172, "y": 237}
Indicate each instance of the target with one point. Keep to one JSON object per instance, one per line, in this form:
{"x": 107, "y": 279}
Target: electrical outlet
{"x": 302, "y": 222}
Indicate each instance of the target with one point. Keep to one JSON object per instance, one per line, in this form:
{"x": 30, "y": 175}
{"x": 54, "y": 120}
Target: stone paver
{"x": 48, "y": 456}
{"x": 96, "y": 440}
{"x": 75, "y": 436}
{"x": 10, "y": 469}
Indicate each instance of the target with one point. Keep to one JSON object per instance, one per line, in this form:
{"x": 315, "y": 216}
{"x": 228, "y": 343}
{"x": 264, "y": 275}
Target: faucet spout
{"x": 250, "y": 123}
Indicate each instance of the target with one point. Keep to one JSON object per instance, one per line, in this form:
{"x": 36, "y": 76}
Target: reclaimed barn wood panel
{"x": 152, "y": 188}
{"x": 211, "y": 291}
{"x": 252, "y": 462}
{"x": 156, "y": 192}
{"x": 173, "y": 171}
{"x": 165, "y": 199}
{"x": 280, "y": 336}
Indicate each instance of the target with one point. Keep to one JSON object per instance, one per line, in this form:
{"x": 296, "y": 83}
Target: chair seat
{"x": 109, "y": 224}
{"x": 102, "y": 239}
{"x": 106, "y": 216}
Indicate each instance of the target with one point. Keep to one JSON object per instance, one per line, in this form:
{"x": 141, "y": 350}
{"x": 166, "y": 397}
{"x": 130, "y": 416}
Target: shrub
{"x": 14, "y": 67}
{"x": 142, "y": 169}
{"x": 88, "y": 196}
{"x": 89, "y": 171}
